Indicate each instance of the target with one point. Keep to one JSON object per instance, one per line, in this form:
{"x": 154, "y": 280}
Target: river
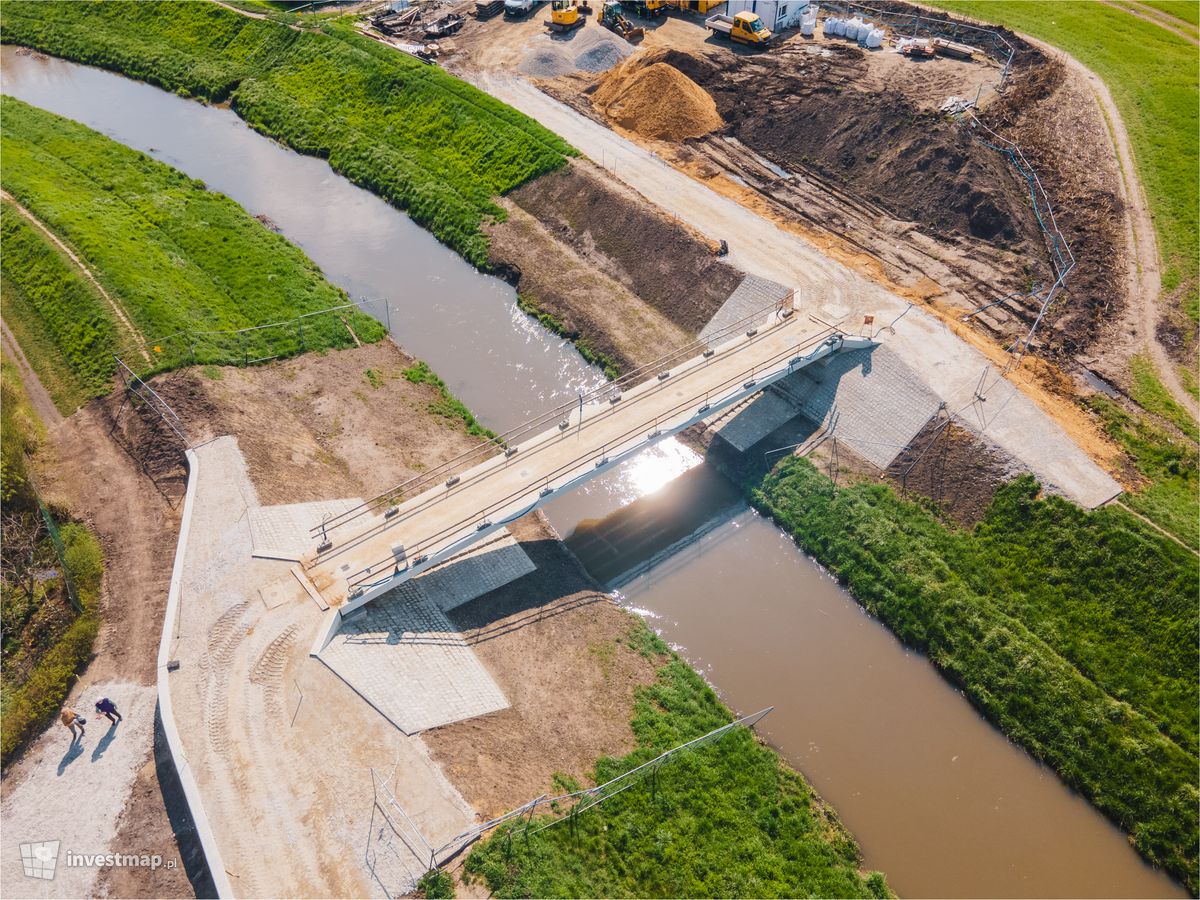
{"x": 938, "y": 799}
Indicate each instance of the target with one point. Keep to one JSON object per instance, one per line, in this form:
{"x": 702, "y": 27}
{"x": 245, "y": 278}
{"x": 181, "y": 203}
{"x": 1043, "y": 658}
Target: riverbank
{"x": 415, "y": 322}
{"x": 112, "y": 253}
{"x": 1074, "y": 632}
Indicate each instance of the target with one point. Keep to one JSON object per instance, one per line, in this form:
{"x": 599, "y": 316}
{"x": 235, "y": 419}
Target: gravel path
{"x": 74, "y": 792}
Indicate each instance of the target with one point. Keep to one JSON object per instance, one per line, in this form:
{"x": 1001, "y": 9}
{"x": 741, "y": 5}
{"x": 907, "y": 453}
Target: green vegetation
{"x": 1075, "y": 632}
{"x": 436, "y": 885}
{"x": 726, "y": 820}
{"x": 60, "y": 318}
{"x": 1169, "y": 463}
{"x": 1186, "y": 10}
{"x": 187, "y": 265}
{"x": 1153, "y": 77}
{"x": 1151, "y": 396}
{"x": 47, "y": 637}
{"x": 424, "y": 140}
{"x": 446, "y": 406}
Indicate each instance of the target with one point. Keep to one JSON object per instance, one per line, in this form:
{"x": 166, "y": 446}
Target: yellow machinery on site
{"x": 566, "y": 15}
{"x": 610, "y": 16}
{"x": 744, "y": 27}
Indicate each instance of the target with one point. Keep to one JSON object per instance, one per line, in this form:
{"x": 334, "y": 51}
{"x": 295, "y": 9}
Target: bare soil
{"x": 952, "y": 467}
{"x": 556, "y": 646}
{"x": 615, "y": 230}
{"x": 313, "y": 428}
{"x": 556, "y": 280}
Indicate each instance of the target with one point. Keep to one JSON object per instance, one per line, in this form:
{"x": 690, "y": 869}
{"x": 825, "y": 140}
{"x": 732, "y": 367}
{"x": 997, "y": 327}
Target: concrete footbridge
{"x": 381, "y": 543}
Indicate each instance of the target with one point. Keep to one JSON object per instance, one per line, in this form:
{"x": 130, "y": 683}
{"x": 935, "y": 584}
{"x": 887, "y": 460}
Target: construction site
{"x": 382, "y": 619}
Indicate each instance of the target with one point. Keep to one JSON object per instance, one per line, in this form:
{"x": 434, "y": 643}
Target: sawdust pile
{"x": 657, "y": 101}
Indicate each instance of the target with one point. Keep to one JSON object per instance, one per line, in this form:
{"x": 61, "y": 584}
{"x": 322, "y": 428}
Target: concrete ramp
{"x": 750, "y": 296}
{"x": 282, "y": 532}
{"x": 869, "y": 399}
{"x": 402, "y": 655}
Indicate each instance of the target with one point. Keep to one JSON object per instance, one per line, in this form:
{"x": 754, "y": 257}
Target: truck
{"x": 518, "y": 8}
{"x": 745, "y": 28}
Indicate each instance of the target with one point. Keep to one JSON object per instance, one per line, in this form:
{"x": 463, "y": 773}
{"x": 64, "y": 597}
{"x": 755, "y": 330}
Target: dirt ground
{"x": 847, "y": 148}
{"x": 952, "y": 467}
{"x": 313, "y": 428}
{"x": 553, "y": 642}
{"x": 615, "y": 232}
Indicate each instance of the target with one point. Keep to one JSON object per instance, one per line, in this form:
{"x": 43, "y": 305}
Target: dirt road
{"x": 118, "y": 311}
{"x": 951, "y": 367}
{"x": 1145, "y": 275}
{"x": 1148, "y": 13}
{"x": 39, "y": 397}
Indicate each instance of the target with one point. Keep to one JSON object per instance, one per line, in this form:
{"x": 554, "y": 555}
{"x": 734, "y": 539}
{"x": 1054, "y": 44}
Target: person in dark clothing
{"x": 105, "y": 707}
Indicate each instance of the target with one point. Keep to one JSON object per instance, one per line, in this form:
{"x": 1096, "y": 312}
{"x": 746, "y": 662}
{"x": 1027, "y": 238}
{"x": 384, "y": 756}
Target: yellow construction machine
{"x": 566, "y": 15}
{"x": 610, "y": 16}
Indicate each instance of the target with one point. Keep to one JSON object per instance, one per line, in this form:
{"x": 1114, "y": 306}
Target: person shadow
{"x": 73, "y": 753}
{"x": 102, "y": 744}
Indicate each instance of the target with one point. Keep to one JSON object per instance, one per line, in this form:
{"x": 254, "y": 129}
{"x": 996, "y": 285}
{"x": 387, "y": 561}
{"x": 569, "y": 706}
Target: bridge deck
{"x": 371, "y": 553}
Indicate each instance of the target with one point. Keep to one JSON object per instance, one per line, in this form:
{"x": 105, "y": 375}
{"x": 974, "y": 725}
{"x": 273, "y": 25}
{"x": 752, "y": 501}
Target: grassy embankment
{"x": 46, "y": 638}
{"x": 178, "y": 259}
{"x": 424, "y": 140}
{"x": 1153, "y": 78}
{"x": 726, "y": 820}
{"x": 1075, "y": 632}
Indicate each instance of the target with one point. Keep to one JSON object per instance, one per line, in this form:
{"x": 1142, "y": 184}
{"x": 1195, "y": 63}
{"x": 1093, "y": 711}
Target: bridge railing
{"x": 369, "y": 576}
{"x": 609, "y": 391}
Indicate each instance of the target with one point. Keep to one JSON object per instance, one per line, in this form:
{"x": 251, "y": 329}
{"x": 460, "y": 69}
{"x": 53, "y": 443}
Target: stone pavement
{"x": 870, "y": 399}
{"x": 73, "y": 793}
{"x": 403, "y": 656}
{"x": 282, "y": 532}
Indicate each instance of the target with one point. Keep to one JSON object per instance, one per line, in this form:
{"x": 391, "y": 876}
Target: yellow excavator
{"x": 566, "y": 15}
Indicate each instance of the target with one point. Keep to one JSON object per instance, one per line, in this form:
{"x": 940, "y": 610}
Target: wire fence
{"x": 398, "y": 842}
{"x": 321, "y": 328}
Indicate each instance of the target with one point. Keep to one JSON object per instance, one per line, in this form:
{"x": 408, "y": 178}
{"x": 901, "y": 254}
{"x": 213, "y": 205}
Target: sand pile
{"x": 657, "y": 101}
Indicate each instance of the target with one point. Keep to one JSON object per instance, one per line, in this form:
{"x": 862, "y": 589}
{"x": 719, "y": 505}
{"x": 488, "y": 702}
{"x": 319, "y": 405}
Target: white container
{"x": 864, "y": 29}
{"x": 808, "y": 22}
{"x": 875, "y": 39}
{"x": 853, "y": 27}
{"x": 842, "y": 25}
{"x": 829, "y": 25}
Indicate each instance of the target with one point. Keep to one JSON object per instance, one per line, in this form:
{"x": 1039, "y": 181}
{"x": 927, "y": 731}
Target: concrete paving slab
{"x": 758, "y": 419}
{"x": 870, "y": 399}
{"x": 282, "y": 532}
{"x": 751, "y": 295}
{"x": 403, "y": 656}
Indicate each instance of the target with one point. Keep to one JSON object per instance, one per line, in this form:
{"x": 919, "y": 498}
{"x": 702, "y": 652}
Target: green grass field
{"x": 1153, "y": 76}
{"x": 177, "y": 257}
{"x": 1075, "y": 632}
{"x": 426, "y": 141}
{"x": 66, "y": 329}
{"x": 726, "y": 820}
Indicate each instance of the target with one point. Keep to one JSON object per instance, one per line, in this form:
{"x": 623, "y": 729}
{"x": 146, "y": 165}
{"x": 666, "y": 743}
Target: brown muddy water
{"x": 938, "y": 799}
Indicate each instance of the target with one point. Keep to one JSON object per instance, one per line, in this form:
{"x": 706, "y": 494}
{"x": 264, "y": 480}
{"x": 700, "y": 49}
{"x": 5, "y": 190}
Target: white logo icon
{"x": 38, "y": 860}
